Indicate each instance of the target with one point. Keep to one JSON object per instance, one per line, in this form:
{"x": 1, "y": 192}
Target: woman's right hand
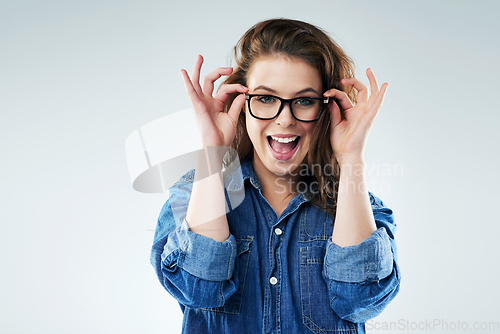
{"x": 216, "y": 127}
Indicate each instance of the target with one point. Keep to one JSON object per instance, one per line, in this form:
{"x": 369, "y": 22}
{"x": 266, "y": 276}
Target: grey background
{"x": 76, "y": 78}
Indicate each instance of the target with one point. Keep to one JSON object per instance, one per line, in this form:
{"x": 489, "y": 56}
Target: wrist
{"x": 208, "y": 161}
{"x": 351, "y": 160}
{"x": 351, "y": 166}
{"x": 353, "y": 177}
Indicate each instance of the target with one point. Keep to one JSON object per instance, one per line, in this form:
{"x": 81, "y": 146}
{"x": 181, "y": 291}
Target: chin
{"x": 282, "y": 168}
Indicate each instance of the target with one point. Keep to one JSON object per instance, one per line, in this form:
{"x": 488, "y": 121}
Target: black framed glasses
{"x": 303, "y": 109}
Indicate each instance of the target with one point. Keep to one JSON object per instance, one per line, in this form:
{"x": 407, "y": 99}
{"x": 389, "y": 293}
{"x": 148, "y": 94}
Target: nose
{"x": 285, "y": 118}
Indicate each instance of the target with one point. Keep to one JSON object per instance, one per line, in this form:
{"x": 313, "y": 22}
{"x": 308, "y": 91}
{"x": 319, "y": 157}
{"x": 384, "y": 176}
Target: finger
{"x": 226, "y": 90}
{"x": 377, "y": 104}
{"x": 210, "y": 79}
{"x": 195, "y": 74}
{"x": 336, "y": 115}
{"x": 340, "y": 97}
{"x": 236, "y": 107}
{"x": 373, "y": 82}
{"x": 359, "y": 86}
{"x": 192, "y": 93}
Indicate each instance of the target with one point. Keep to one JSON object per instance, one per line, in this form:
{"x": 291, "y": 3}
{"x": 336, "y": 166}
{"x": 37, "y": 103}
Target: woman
{"x": 309, "y": 249}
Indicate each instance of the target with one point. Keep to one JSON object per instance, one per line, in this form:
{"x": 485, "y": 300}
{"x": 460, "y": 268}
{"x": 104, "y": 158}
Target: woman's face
{"x": 286, "y": 78}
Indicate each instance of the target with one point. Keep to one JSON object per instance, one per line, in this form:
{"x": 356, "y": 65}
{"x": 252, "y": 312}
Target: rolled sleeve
{"x": 200, "y": 256}
{"x": 196, "y": 270}
{"x": 369, "y": 261}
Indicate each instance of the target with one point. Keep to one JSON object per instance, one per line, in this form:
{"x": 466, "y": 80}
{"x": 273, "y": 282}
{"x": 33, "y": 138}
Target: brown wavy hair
{"x": 297, "y": 40}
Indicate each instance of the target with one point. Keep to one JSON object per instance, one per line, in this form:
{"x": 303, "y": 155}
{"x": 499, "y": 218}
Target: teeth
{"x": 284, "y": 140}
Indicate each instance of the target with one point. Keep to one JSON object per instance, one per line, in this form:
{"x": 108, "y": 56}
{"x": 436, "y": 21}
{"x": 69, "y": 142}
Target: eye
{"x": 266, "y": 99}
{"x": 304, "y": 102}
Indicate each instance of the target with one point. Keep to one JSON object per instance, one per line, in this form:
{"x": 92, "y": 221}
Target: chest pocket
{"x": 315, "y": 225}
{"x": 315, "y": 229}
{"x": 233, "y": 304}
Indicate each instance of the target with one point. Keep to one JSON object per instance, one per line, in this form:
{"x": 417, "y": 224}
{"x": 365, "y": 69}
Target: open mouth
{"x": 283, "y": 148}
{"x": 283, "y": 145}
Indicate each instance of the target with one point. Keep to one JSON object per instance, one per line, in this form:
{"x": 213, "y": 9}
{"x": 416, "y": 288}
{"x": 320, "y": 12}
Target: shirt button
{"x": 273, "y": 280}
{"x": 278, "y": 231}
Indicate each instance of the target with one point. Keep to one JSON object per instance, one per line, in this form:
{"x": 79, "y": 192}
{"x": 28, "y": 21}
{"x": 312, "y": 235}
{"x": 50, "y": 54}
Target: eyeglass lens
{"x": 303, "y": 108}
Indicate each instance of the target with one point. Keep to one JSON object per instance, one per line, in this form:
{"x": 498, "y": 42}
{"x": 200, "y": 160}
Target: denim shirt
{"x": 274, "y": 274}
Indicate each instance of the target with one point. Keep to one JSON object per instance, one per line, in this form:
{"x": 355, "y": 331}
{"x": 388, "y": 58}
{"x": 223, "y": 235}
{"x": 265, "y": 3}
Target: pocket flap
{"x": 243, "y": 244}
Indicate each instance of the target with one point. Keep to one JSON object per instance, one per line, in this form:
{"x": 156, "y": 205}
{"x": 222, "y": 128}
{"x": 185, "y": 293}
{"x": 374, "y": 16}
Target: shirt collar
{"x": 234, "y": 178}
{"x": 236, "y": 175}
{"x": 249, "y": 173}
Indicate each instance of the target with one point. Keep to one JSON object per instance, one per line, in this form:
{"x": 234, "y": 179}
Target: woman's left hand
{"x": 348, "y": 136}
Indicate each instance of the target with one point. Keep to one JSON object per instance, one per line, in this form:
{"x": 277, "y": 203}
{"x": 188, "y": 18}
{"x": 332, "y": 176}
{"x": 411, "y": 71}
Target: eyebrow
{"x": 306, "y": 90}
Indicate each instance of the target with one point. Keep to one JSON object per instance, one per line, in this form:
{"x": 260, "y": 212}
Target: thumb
{"x": 335, "y": 113}
{"x": 236, "y": 107}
